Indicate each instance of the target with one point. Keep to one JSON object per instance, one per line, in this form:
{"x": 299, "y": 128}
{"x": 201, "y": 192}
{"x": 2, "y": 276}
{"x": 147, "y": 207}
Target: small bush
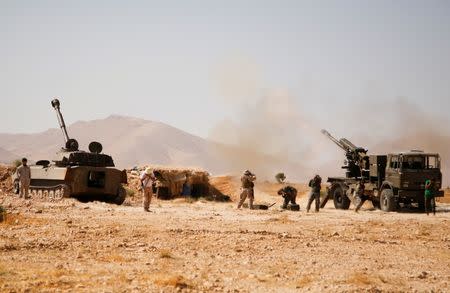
{"x": 165, "y": 253}
{"x": 130, "y": 192}
{"x": 280, "y": 177}
{"x": 16, "y": 163}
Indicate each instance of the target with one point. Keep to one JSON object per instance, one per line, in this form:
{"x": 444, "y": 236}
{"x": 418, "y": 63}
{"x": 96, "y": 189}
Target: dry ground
{"x": 207, "y": 246}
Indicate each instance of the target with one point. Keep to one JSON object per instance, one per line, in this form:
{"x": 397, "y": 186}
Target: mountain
{"x": 7, "y": 157}
{"x": 136, "y": 142}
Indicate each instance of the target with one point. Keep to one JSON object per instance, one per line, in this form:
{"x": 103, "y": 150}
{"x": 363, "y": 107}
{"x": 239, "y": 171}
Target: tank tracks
{"x": 48, "y": 193}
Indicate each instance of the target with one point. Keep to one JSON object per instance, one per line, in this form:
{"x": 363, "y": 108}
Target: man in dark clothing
{"x": 430, "y": 202}
{"x": 315, "y": 185}
{"x": 289, "y": 194}
{"x": 247, "y": 189}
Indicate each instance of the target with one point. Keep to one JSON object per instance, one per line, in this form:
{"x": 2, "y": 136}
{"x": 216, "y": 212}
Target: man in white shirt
{"x": 147, "y": 179}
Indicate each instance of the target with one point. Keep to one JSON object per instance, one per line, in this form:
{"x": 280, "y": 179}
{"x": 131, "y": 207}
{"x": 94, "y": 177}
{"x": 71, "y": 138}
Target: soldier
{"x": 24, "y": 176}
{"x": 247, "y": 188}
{"x": 430, "y": 202}
{"x": 359, "y": 195}
{"x": 147, "y": 177}
{"x": 289, "y": 194}
{"x": 315, "y": 185}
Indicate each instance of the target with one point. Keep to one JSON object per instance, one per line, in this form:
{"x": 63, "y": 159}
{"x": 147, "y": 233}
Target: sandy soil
{"x": 208, "y": 246}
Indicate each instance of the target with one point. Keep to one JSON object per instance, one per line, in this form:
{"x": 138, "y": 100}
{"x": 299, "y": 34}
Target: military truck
{"x": 84, "y": 175}
{"x": 391, "y": 180}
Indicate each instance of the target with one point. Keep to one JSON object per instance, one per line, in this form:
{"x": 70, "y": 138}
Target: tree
{"x": 16, "y": 163}
{"x": 280, "y": 177}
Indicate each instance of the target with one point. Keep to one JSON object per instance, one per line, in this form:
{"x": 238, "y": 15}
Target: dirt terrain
{"x": 205, "y": 246}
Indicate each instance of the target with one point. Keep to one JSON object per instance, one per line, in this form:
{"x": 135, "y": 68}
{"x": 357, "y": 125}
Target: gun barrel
{"x": 55, "y": 105}
{"x": 337, "y": 142}
{"x": 348, "y": 144}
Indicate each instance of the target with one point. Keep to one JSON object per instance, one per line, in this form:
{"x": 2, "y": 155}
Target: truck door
{"x": 393, "y": 170}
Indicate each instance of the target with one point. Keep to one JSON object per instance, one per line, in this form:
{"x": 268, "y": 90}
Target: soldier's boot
{"x": 250, "y": 201}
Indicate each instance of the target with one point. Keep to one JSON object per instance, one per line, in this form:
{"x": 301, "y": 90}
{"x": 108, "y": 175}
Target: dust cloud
{"x": 271, "y": 132}
{"x": 270, "y": 135}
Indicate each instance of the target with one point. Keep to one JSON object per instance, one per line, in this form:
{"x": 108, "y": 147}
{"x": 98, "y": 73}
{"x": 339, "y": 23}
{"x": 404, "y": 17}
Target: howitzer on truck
{"x": 390, "y": 180}
{"x": 75, "y": 173}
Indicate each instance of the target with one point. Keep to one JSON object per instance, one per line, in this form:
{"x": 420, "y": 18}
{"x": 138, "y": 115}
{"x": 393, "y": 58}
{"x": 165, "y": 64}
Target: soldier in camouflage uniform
{"x": 24, "y": 175}
{"x": 289, "y": 194}
{"x": 315, "y": 185}
{"x": 247, "y": 189}
{"x": 359, "y": 195}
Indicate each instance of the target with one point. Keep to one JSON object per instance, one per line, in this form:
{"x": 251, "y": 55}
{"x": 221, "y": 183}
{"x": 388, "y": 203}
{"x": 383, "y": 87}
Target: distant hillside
{"x": 132, "y": 141}
{"x": 7, "y": 157}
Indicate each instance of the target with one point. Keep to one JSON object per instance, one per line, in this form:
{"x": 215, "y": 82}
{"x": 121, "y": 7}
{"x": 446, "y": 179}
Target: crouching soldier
{"x": 247, "y": 180}
{"x": 289, "y": 194}
{"x": 316, "y": 185}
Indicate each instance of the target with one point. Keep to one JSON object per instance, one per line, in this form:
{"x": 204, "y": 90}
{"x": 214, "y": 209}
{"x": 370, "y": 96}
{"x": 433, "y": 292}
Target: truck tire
{"x": 387, "y": 200}
{"x": 341, "y": 201}
{"x": 121, "y": 195}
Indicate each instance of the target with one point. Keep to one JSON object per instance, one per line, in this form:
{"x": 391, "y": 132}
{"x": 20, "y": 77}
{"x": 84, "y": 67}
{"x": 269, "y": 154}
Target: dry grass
{"x": 283, "y": 219}
{"x": 176, "y": 281}
{"x": 17, "y": 219}
{"x": 114, "y": 257}
{"x": 165, "y": 253}
{"x": 359, "y": 278}
{"x": 303, "y": 281}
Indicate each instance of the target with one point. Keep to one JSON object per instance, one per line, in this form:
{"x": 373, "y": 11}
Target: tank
{"x": 85, "y": 175}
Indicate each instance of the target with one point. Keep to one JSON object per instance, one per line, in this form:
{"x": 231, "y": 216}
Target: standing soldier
{"x": 315, "y": 185}
{"x": 24, "y": 176}
{"x": 359, "y": 195}
{"x": 147, "y": 179}
{"x": 247, "y": 188}
{"x": 289, "y": 194}
{"x": 429, "y": 197}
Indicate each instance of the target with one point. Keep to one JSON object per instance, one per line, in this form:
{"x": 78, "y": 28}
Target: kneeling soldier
{"x": 289, "y": 194}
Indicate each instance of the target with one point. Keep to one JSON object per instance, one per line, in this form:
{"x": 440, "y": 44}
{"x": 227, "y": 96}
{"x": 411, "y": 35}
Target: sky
{"x": 194, "y": 64}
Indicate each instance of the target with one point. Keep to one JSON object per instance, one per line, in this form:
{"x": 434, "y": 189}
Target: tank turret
{"x": 85, "y": 175}
{"x": 70, "y": 155}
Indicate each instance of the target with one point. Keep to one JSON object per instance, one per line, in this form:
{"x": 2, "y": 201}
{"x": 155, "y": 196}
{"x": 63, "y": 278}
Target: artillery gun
{"x": 390, "y": 180}
{"x": 84, "y": 175}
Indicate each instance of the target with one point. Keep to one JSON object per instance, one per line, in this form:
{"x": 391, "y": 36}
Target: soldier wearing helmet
{"x": 315, "y": 185}
{"x": 247, "y": 181}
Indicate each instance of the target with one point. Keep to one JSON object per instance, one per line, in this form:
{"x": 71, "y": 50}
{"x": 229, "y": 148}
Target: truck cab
{"x": 405, "y": 176}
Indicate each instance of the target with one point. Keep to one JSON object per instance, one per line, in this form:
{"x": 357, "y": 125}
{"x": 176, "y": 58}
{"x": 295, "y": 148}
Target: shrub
{"x": 280, "y": 177}
{"x": 17, "y": 162}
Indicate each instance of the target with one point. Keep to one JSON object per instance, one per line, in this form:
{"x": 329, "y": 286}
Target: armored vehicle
{"x": 84, "y": 175}
{"x": 390, "y": 180}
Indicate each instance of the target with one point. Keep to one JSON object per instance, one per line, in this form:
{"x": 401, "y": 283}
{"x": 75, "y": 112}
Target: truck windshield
{"x": 420, "y": 162}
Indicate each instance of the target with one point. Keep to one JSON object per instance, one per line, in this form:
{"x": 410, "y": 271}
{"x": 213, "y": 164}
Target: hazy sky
{"x": 192, "y": 64}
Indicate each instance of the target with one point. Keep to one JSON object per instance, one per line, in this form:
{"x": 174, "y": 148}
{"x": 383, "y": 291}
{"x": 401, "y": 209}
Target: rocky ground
{"x": 207, "y": 246}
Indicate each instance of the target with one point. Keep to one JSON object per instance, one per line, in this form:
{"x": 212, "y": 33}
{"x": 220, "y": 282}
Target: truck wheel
{"x": 341, "y": 201}
{"x": 16, "y": 187}
{"x": 387, "y": 200}
{"x": 121, "y": 195}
